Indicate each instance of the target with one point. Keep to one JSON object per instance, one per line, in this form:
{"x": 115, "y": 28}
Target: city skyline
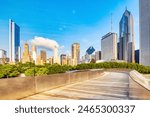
{"x": 73, "y": 24}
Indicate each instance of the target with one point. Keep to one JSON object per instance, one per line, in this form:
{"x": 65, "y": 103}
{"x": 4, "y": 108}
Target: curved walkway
{"x": 110, "y": 86}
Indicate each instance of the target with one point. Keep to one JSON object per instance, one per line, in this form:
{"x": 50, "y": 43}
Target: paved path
{"x": 112, "y": 85}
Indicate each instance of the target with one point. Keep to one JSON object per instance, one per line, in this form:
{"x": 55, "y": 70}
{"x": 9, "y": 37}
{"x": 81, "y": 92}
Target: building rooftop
{"x": 107, "y": 35}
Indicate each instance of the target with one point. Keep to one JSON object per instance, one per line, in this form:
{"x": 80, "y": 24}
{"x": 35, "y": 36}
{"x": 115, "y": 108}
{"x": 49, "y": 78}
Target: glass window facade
{"x": 126, "y": 37}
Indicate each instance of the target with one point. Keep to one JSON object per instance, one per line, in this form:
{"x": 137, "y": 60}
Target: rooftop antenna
{"x": 111, "y": 23}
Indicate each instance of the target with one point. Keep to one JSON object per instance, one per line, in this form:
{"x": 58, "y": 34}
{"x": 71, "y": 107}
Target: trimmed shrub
{"x": 30, "y": 72}
{"x": 42, "y": 71}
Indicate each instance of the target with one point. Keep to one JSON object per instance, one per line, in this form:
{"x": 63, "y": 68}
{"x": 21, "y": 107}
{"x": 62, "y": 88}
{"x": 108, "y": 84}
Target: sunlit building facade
{"x": 75, "y": 54}
{"x": 63, "y": 59}
{"x": 14, "y": 42}
{"x": 26, "y": 55}
{"x": 109, "y": 47}
{"x": 144, "y": 32}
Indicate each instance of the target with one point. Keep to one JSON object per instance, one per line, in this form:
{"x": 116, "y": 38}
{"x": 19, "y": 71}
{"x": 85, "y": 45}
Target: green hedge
{"x": 110, "y": 65}
{"x": 29, "y": 69}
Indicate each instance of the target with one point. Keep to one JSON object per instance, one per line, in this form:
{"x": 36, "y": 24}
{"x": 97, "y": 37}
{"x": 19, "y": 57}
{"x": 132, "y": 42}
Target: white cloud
{"x": 45, "y": 42}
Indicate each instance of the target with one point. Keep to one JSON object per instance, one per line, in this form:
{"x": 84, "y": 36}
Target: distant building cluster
{"x": 41, "y": 59}
{"x": 120, "y": 48}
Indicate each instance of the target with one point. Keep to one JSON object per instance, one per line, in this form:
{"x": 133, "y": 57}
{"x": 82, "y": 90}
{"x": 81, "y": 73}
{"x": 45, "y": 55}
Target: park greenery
{"x": 30, "y": 69}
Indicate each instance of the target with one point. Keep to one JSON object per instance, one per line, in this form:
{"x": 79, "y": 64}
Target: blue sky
{"x": 66, "y": 21}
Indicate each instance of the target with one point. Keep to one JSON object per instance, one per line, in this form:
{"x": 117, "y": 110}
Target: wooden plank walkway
{"x": 110, "y": 86}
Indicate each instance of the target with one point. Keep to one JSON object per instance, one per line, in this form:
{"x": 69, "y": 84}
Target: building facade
{"x": 3, "y": 57}
{"x": 14, "y": 42}
{"x": 126, "y": 37}
{"x": 34, "y": 54}
{"x": 42, "y": 59}
{"x": 75, "y": 54}
{"x": 26, "y": 55}
{"x": 98, "y": 55}
{"x": 137, "y": 53}
{"x": 144, "y": 32}
{"x": 109, "y": 47}
{"x": 63, "y": 59}
{"x": 3, "y": 53}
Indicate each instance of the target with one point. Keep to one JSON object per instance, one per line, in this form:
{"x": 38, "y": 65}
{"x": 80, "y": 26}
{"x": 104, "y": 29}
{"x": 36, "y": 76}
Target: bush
{"x": 42, "y": 71}
{"x": 30, "y": 72}
{"x": 14, "y": 74}
{"x": 2, "y": 75}
{"x": 31, "y": 69}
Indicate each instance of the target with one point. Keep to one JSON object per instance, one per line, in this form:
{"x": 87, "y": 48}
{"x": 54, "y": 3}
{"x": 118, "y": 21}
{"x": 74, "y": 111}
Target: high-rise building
{"x": 14, "y": 42}
{"x": 69, "y": 60}
{"x": 43, "y": 56}
{"x": 109, "y": 47}
{"x": 144, "y": 32}
{"x": 126, "y": 37}
{"x": 63, "y": 59}
{"x": 34, "y": 54}
{"x": 41, "y": 60}
{"x": 98, "y": 55}
{"x": 137, "y": 53}
{"x": 90, "y": 50}
{"x": 55, "y": 58}
{"x": 3, "y": 57}
{"x": 50, "y": 60}
{"x": 26, "y": 55}
{"x": 75, "y": 53}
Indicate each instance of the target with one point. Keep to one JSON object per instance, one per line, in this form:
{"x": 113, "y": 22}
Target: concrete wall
{"x": 17, "y": 88}
{"x": 140, "y": 79}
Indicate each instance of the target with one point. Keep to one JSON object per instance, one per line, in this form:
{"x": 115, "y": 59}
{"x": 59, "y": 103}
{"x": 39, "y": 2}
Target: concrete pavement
{"x": 110, "y": 86}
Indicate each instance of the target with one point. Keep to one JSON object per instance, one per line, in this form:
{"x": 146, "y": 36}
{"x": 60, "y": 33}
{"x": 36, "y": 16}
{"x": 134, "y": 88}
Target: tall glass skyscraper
{"x": 14, "y": 42}
{"x": 126, "y": 37}
{"x": 144, "y": 32}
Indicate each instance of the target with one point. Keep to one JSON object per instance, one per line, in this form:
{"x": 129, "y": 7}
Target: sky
{"x": 66, "y": 21}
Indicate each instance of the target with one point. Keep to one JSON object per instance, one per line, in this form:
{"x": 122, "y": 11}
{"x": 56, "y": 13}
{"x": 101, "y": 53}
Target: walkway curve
{"x": 110, "y": 86}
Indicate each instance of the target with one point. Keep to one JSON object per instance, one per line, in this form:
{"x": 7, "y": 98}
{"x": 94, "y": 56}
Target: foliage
{"x": 30, "y": 69}
{"x": 8, "y": 71}
{"x": 30, "y": 72}
{"x": 42, "y": 71}
{"x": 14, "y": 74}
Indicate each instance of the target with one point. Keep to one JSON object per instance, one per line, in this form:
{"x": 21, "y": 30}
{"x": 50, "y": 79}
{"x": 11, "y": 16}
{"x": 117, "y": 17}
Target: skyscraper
{"x": 41, "y": 60}
{"x": 75, "y": 53}
{"x": 126, "y": 37}
{"x": 98, "y": 55}
{"x": 43, "y": 56}
{"x": 137, "y": 53}
{"x": 144, "y": 32}
{"x": 63, "y": 59}
{"x": 26, "y": 55}
{"x": 34, "y": 54}
{"x": 14, "y": 42}
{"x": 109, "y": 47}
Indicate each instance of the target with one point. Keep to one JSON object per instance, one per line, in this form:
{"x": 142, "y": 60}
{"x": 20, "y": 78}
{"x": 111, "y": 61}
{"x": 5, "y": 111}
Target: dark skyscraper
{"x": 137, "y": 53}
{"x": 126, "y": 37}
